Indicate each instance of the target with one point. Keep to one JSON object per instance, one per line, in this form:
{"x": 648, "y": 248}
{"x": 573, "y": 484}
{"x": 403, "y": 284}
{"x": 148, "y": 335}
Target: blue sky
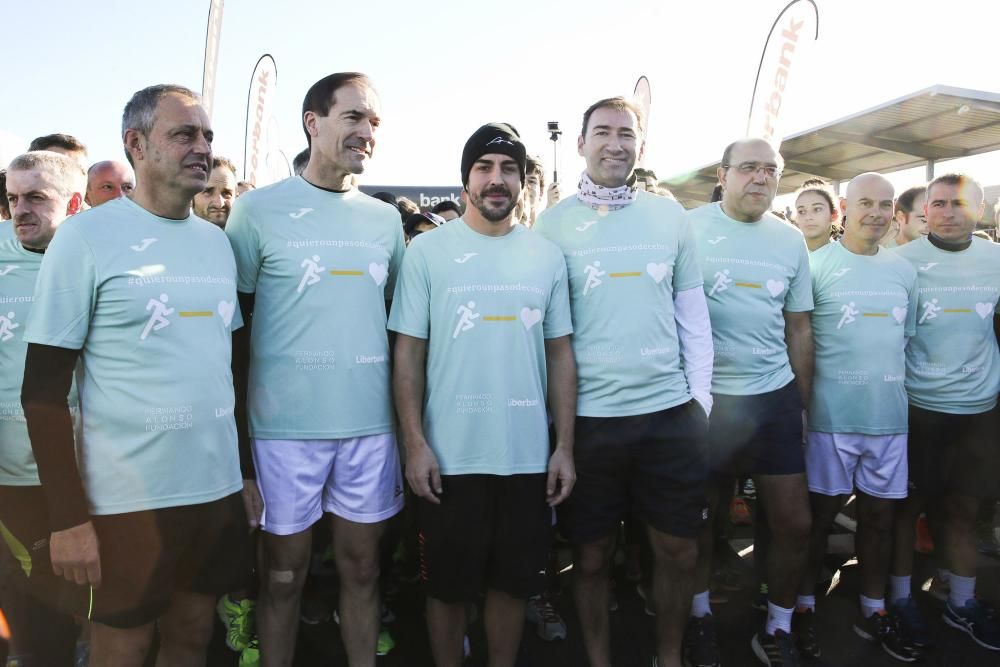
{"x": 444, "y": 67}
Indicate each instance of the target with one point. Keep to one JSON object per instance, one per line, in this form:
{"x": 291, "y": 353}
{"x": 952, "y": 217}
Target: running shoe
{"x": 884, "y": 628}
{"x": 911, "y": 622}
{"x": 925, "y": 543}
{"x": 700, "y": 648}
{"x": 804, "y": 629}
{"x": 975, "y": 620}
{"x": 250, "y": 656}
{"x": 739, "y": 512}
{"x": 238, "y": 619}
{"x": 939, "y": 589}
{"x": 777, "y": 650}
{"x": 385, "y": 642}
{"x": 548, "y": 623}
{"x": 759, "y": 600}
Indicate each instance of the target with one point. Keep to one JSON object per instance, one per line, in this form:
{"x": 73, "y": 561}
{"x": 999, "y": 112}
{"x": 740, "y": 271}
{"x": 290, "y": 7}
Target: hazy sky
{"x": 444, "y": 67}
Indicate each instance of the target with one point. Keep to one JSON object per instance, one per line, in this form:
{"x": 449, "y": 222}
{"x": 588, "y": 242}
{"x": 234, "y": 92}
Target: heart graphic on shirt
{"x": 530, "y": 317}
{"x": 899, "y": 314}
{"x": 775, "y": 287}
{"x": 984, "y": 310}
{"x": 378, "y": 272}
{"x": 657, "y": 271}
{"x": 226, "y": 311}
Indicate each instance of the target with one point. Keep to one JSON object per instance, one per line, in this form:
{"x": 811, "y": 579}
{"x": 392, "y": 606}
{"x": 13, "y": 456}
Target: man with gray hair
{"x": 43, "y": 188}
{"x": 151, "y": 524}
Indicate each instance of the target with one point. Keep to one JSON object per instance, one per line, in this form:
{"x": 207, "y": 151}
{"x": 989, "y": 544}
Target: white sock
{"x": 870, "y": 606}
{"x": 900, "y": 587}
{"x": 806, "y": 602}
{"x": 778, "y": 618}
{"x": 944, "y": 575}
{"x": 963, "y": 589}
{"x": 699, "y": 605}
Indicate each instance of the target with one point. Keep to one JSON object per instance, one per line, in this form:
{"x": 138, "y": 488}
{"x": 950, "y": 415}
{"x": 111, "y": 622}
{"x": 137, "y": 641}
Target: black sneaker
{"x": 911, "y": 622}
{"x": 884, "y": 628}
{"x": 804, "y": 628}
{"x": 977, "y": 621}
{"x": 777, "y": 650}
{"x": 700, "y": 648}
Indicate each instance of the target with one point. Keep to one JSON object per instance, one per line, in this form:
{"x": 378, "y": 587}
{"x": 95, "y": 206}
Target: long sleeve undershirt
{"x": 694, "y": 333}
{"x": 48, "y": 376}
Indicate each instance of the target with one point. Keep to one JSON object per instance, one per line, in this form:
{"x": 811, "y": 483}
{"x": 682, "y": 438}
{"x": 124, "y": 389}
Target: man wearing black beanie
{"x": 482, "y": 313}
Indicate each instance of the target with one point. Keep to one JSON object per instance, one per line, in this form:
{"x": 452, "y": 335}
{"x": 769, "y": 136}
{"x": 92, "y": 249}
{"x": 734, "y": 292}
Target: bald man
{"x": 107, "y": 180}
{"x": 865, "y": 312}
{"x": 756, "y": 279}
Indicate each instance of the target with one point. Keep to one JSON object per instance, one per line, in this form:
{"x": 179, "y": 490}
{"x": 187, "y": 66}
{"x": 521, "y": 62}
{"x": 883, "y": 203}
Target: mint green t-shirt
{"x": 624, "y": 268}
{"x": 322, "y": 265}
{"x": 865, "y": 310}
{"x": 753, "y": 272}
{"x": 151, "y": 304}
{"x": 486, "y": 304}
{"x": 6, "y": 230}
{"x": 952, "y": 364}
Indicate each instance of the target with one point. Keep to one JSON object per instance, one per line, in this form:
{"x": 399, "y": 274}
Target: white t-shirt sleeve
{"x": 694, "y": 333}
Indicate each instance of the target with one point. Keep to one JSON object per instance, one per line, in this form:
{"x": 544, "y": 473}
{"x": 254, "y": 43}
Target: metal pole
{"x": 929, "y": 175}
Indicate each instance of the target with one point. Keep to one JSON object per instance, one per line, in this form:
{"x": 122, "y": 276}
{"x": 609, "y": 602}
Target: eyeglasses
{"x": 751, "y": 169}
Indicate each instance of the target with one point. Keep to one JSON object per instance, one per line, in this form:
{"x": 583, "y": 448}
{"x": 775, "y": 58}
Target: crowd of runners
{"x": 194, "y": 371}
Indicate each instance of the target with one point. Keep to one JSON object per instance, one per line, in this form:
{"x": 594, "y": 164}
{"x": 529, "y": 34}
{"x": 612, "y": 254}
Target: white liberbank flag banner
{"x": 787, "y": 46}
{"x": 263, "y": 162}
{"x": 642, "y": 97}
{"x": 211, "y": 56}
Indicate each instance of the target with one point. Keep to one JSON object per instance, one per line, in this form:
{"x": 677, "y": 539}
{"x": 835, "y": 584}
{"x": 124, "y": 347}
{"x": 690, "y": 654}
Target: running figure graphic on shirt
{"x": 311, "y": 276}
{"x": 931, "y": 310}
{"x": 7, "y": 325}
{"x": 849, "y": 311}
{"x": 158, "y": 319}
{"x": 594, "y": 274}
{"x": 466, "y": 315}
{"x": 722, "y": 282}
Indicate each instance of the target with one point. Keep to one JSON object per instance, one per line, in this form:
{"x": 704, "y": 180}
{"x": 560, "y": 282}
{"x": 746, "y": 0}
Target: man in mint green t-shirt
{"x": 317, "y": 262}
{"x": 643, "y": 345}
{"x": 143, "y": 294}
{"x": 482, "y": 313}
{"x": 44, "y": 188}
{"x": 756, "y": 270}
{"x": 865, "y": 310}
{"x": 952, "y": 380}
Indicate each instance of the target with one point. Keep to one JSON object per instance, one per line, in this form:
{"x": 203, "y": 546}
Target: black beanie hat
{"x": 499, "y": 138}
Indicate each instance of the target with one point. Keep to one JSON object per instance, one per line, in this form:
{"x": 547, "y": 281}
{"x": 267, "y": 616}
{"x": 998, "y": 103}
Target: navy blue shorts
{"x": 654, "y": 464}
{"x": 759, "y": 434}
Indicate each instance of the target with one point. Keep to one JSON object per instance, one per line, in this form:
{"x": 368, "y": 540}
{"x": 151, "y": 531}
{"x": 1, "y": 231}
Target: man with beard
{"x": 643, "y": 344}
{"x": 484, "y": 326}
{"x": 215, "y": 202}
{"x": 756, "y": 270}
{"x": 151, "y": 522}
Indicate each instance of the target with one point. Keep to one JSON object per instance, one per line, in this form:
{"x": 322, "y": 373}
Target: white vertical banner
{"x": 260, "y": 154}
{"x": 643, "y": 98}
{"x": 212, "y": 36}
{"x": 787, "y": 46}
